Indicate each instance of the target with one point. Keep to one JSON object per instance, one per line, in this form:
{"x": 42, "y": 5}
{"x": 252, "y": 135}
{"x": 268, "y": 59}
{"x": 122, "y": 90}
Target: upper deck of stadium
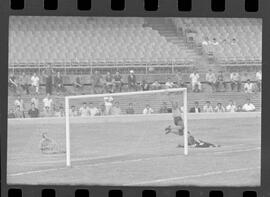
{"x": 35, "y": 39}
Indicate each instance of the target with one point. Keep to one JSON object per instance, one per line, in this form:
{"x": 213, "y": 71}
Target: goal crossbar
{"x": 67, "y": 117}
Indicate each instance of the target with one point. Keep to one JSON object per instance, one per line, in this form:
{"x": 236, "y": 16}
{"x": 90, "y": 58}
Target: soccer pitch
{"x": 133, "y": 150}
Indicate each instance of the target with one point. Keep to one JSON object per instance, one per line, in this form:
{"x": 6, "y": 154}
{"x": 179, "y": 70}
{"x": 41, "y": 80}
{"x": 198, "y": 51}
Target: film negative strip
{"x": 134, "y": 98}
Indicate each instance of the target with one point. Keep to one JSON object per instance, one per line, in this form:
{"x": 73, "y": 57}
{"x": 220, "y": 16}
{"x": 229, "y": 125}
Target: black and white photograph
{"x": 134, "y": 101}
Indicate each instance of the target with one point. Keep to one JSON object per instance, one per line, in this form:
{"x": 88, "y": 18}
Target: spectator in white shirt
{"x": 19, "y": 102}
{"x": 248, "y": 107}
{"x": 211, "y": 79}
{"x": 47, "y": 101}
{"x": 206, "y": 45}
{"x": 235, "y": 81}
{"x": 35, "y": 82}
{"x": 84, "y": 110}
{"x": 231, "y": 107}
{"x": 148, "y": 110}
{"x": 195, "y": 83}
{"x": 35, "y": 101}
{"x": 207, "y": 107}
{"x": 108, "y": 105}
{"x": 169, "y": 84}
{"x": 93, "y": 110}
{"x": 219, "y": 108}
{"x": 248, "y": 87}
{"x": 259, "y": 80}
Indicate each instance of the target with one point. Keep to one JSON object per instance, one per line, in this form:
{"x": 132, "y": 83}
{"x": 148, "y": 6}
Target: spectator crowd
{"x": 114, "y": 83}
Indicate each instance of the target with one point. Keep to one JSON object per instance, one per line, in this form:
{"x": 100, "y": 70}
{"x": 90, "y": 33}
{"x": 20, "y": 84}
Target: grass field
{"x": 133, "y": 150}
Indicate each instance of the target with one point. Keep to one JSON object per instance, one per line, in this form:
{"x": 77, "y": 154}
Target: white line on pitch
{"x": 106, "y": 163}
{"x": 236, "y": 151}
{"x": 191, "y": 176}
{"x": 79, "y": 159}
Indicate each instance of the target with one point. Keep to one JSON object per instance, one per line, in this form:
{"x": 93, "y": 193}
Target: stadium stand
{"x": 37, "y": 39}
{"x": 79, "y": 45}
{"x": 246, "y": 32}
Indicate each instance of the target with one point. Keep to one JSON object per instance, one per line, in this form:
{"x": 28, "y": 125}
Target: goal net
{"x": 103, "y": 126}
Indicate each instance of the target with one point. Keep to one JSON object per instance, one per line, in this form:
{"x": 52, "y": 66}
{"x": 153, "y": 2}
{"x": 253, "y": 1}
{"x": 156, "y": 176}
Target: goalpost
{"x": 68, "y": 99}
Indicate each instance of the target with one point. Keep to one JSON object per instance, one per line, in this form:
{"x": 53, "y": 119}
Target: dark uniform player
{"x": 178, "y": 129}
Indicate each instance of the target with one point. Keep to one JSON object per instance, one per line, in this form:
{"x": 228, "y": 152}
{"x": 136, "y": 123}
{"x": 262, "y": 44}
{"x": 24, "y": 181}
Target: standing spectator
{"x": 73, "y": 112}
{"x": 116, "y": 110}
{"x": 156, "y": 85}
{"x": 84, "y": 110}
{"x": 206, "y": 45}
{"x": 231, "y": 107}
{"x": 169, "y": 83}
{"x": 12, "y": 83}
{"x": 47, "y": 102}
{"x": 35, "y": 101}
{"x": 196, "y": 108}
{"x": 18, "y": 113}
{"x": 24, "y": 82}
{"x": 179, "y": 80}
{"x": 148, "y": 110}
{"x": 58, "y": 82}
{"x": 109, "y": 82}
{"x": 211, "y": 79}
{"x": 235, "y": 81}
{"x": 195, "y": 83}
{"x": 220, "y": 84}
{"x": 97, "y": 82}
{"x": 108, "y": 105}
{"x": 77, "y": 83}
{"x": 92, "y": 109}
{"x": 219, "y": 108}
{"x": 164, "y": 108}
{"x": 248, "y": 87}
{"x": 132, "y": 83}
{"x": 248, "y": 107}
{"x": 145, "y": 86}
{"x": 118, "y": 82}
{"x": 259, "y": 80}
{"x": 47, "y": 74}
{"x": 33, "y": 112}
{"x": 35, "y": 82}
{"x": 19, "y": 102}
{"x": 130, "y": 109}
{"x": 207, "y": 107}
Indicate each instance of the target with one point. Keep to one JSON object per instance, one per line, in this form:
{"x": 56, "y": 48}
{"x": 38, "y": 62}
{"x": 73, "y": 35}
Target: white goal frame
{"x": 67, "y": 117}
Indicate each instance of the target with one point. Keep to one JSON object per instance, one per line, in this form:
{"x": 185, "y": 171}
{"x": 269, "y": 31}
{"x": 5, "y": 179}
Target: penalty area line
{"x": 190, "y": 176}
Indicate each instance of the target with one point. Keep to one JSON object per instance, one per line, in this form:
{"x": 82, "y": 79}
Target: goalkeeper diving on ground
{"x": 178, "y": 129}
{"x": 49, "y": 146}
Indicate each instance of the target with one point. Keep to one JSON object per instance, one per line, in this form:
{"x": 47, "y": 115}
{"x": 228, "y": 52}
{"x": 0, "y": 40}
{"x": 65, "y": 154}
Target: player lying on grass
{"x": 178, "y": 129}
{"x": 49, "y": 146}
